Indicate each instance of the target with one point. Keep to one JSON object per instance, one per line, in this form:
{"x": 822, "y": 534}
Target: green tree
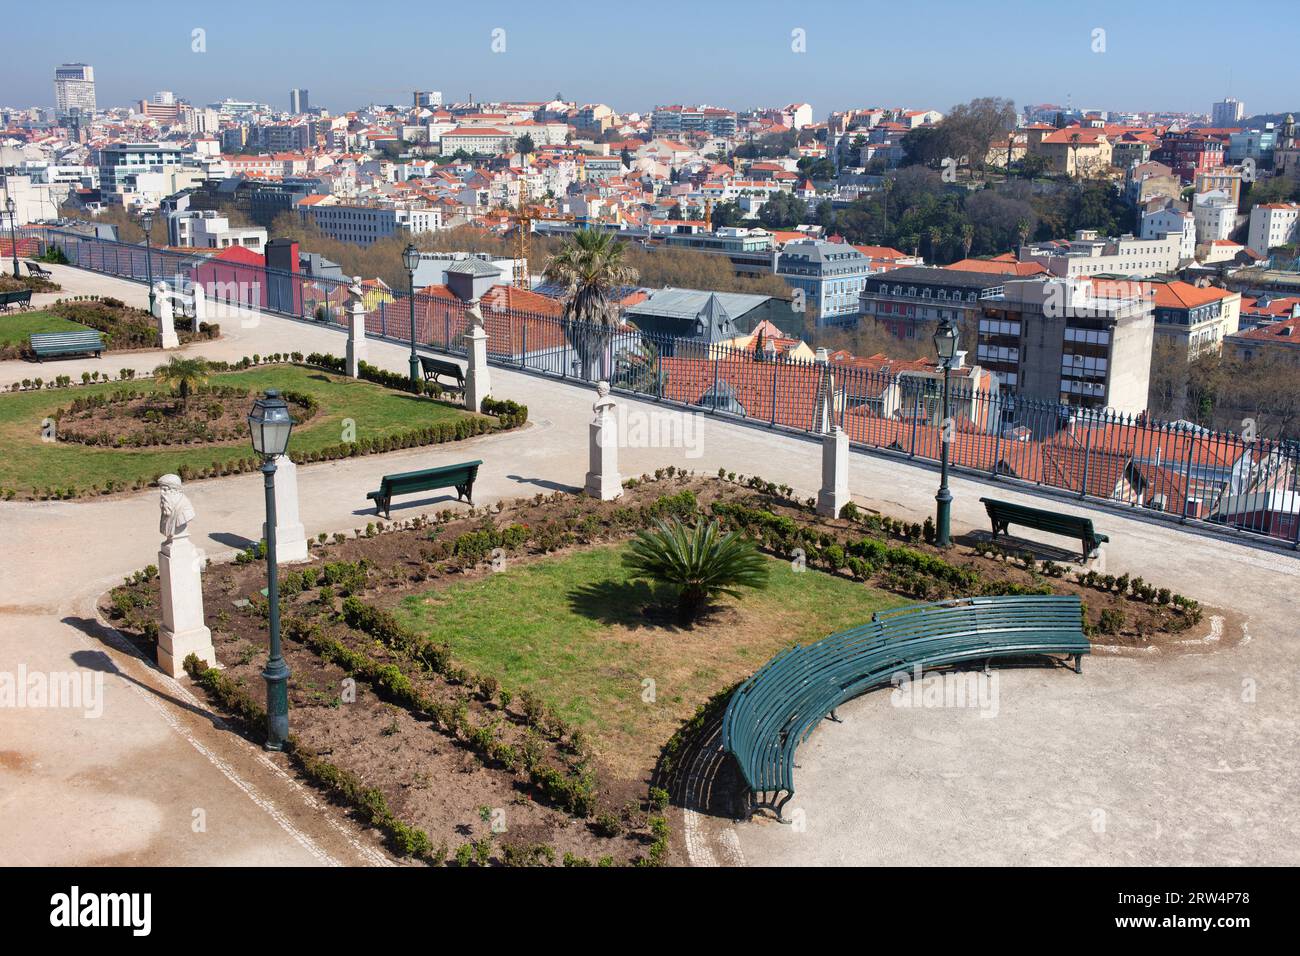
{"x": 524, "y": 145}
{"x": 700, "y": 561}
{"x": 184, "y": 376}
{"x": 590, "y": 266}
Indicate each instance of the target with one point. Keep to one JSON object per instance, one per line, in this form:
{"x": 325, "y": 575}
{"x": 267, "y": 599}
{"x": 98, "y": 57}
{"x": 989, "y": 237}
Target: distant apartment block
{"x": 910, "y": 302}
{"x": 827, "y": 276}
{"x": 1195, "y": 319}
{"x": 427, "y": 99}
{"x": 1228, "y": 112}
{"x": 1170, "y": 220}
{"x": 74, "y": 91}
{"x": 476, "y": 140}
{"x": 1188, "y": 153}
{"x": 298, "y": 101}
{"x": 207, "y": 229}
{"x": 1215, "y": 213}
{"x": 1071, "y": 341}
{"x": 119, "y": 162}
{"x": 673, "y": 121}
{"x": 365, "y": 225}
{"x": 1089, "y": 255}
{"x": 1273, "y": 224}
{"x": 1074, "y": 151}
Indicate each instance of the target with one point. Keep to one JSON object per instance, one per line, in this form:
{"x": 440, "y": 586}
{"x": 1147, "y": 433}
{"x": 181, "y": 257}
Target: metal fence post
{"x": 1087, "y": 462}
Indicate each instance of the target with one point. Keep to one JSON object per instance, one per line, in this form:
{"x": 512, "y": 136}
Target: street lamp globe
{"x": 410, "y": 257}
{"x": 269, "y": 424}
{"x": 146, "y": 222}
{"x": 10, "y": 205}
{"x": 945, "y": 342}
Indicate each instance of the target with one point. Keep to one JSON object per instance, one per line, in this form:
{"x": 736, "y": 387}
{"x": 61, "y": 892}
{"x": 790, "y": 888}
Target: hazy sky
{"x": 1157, "y": 55}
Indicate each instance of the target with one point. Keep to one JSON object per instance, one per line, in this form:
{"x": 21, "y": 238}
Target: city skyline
{"x": 1060, "y": 58}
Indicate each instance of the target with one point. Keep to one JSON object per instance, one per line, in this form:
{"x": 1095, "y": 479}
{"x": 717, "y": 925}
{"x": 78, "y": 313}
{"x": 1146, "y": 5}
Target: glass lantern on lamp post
{"x": 12, "y": 208}
{"x": 411, "y": 259}
{"x": 945, "y": 346}
{"x": 269, "y": 426}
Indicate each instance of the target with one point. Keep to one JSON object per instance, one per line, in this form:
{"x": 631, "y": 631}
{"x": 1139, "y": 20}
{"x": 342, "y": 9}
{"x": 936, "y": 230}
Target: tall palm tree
{"x": 183, "y": 375}
{"x": 591, "y": 268}
{"x": 700, "y": 560}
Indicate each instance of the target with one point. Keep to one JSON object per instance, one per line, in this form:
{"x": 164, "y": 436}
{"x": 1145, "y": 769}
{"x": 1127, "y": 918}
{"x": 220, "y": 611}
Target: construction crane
{"x": 525, "y": 216}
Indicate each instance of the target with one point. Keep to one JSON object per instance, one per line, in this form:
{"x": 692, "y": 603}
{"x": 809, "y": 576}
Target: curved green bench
{"x": 776, "y": 710}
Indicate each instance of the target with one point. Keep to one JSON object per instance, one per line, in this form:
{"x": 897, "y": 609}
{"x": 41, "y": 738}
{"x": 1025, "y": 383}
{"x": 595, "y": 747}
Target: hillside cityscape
{"x": 461, "y": 482}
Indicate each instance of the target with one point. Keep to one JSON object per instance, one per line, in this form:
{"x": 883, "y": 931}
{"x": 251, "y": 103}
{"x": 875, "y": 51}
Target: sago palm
{"x": 183, "y": 375}
{"x": 590, "y": 266}
{"x": 699, "y": 560}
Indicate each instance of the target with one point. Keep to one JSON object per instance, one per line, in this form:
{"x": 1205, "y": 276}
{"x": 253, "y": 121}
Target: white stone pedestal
{"x": 478, "y": 383}
{"x": 834, "y": 493}
{"x": 603, "y": 479}
{"x": 290, "y": 538}
{"x": 166, "y": 315}
{"x": 200, "y": 307}
{"x": 357, "y": 352}
{"x": 182, "y": 632}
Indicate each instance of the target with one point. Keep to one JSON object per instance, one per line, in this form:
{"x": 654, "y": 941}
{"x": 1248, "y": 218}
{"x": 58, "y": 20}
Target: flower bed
{"x": 453, "y": 723}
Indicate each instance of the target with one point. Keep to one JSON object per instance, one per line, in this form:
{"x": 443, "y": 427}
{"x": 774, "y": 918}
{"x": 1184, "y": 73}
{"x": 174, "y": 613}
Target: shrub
{"x": 701, "y": 561}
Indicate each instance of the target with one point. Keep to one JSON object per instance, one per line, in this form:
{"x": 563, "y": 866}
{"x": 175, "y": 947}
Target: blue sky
{"x": 1158, "y": 55}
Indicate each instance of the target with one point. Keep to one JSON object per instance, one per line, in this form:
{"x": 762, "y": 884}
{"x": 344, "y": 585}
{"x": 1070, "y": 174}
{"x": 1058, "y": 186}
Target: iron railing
{"x": 1214, "y": 480}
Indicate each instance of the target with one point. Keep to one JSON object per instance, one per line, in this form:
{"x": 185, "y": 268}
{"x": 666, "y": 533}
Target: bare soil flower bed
{"x": 146, "y": 418}
{"x": 454, "y": 767}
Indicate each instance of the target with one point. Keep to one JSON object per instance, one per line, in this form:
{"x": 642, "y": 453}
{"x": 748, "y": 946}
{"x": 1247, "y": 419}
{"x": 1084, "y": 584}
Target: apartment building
{"x": 1085, "y": 343}
{"x": 1273, "y": 224}
{"x": 208, "y": 229}
{"x": 910, "y": 302}
{"x": 827, "y": 276}
{"x": 299, "y": 101}
{"x": 1227, "y": 112}
{"x": 119, "y": 162}
{"x": 1195, "y": 319}
{"x": 1168, "y": 219}
{"x": 365, "y": 225}
{"x": 673, "y": 121}
{"x": 1215, "y": 213}
{"x": 74, "y": 91}
{"x": 1188, "y": 153}
{"x": 1087, "y": 254}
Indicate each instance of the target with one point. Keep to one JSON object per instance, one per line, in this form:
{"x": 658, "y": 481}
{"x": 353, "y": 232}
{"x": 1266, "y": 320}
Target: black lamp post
{"x": 11, "y": 208}
{"x": 146, "y": 223}
{"x": 411, "y": 259}
{"x": 269, "y": 424}
{"x": 945, "y": 345}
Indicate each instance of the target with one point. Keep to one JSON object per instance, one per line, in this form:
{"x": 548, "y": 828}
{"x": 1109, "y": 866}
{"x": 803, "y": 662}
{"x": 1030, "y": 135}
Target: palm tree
{"x": 183, "y": 375}
{"x": 700, "y": 560}
{"x": 590, "y": 266}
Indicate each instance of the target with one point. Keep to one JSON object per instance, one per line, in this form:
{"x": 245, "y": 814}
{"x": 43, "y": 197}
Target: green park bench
{"x": 18, "y": 297}
{"x": 49, "y": 344}
{"x": 777, "y": 708}
{"x": 461, "y": 477}
{"x": 39, "y": 271}
{"x": 434, "y": 367}
{"x": 1004, "y": 513}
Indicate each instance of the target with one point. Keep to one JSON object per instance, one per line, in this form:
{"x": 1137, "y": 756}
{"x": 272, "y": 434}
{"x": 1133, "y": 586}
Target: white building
{"x": 366, "y": 224}
{"x": 1273, "y": 224}
{"x": 1171, "y": 220}
{"x": 74, "y": 89}
{"x": 208, "y": 229}
{"x": 1216, "y": 215}
{"x": 1227, "y": 112}
{"x": 1088, "y": 255}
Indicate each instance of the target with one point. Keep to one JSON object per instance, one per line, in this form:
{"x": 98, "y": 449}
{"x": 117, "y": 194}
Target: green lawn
{"x": 16, "y": 326}
{"x": 572, "y": 630}
{"x": 29, "y": 462}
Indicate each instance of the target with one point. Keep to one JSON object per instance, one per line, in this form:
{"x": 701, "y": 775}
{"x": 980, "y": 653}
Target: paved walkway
{"x": 1182, "y": 759}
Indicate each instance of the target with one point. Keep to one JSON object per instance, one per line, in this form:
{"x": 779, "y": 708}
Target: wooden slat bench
{"x": 434, "y": 367}
{"x": 774, "y": 711}
{"x": 49, "y": 344}
{"x": 39, "y": 271}
{"x": 461, "y": 477}
{"x": 1004, "y": 513}
{"x": 18, "y": 297}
